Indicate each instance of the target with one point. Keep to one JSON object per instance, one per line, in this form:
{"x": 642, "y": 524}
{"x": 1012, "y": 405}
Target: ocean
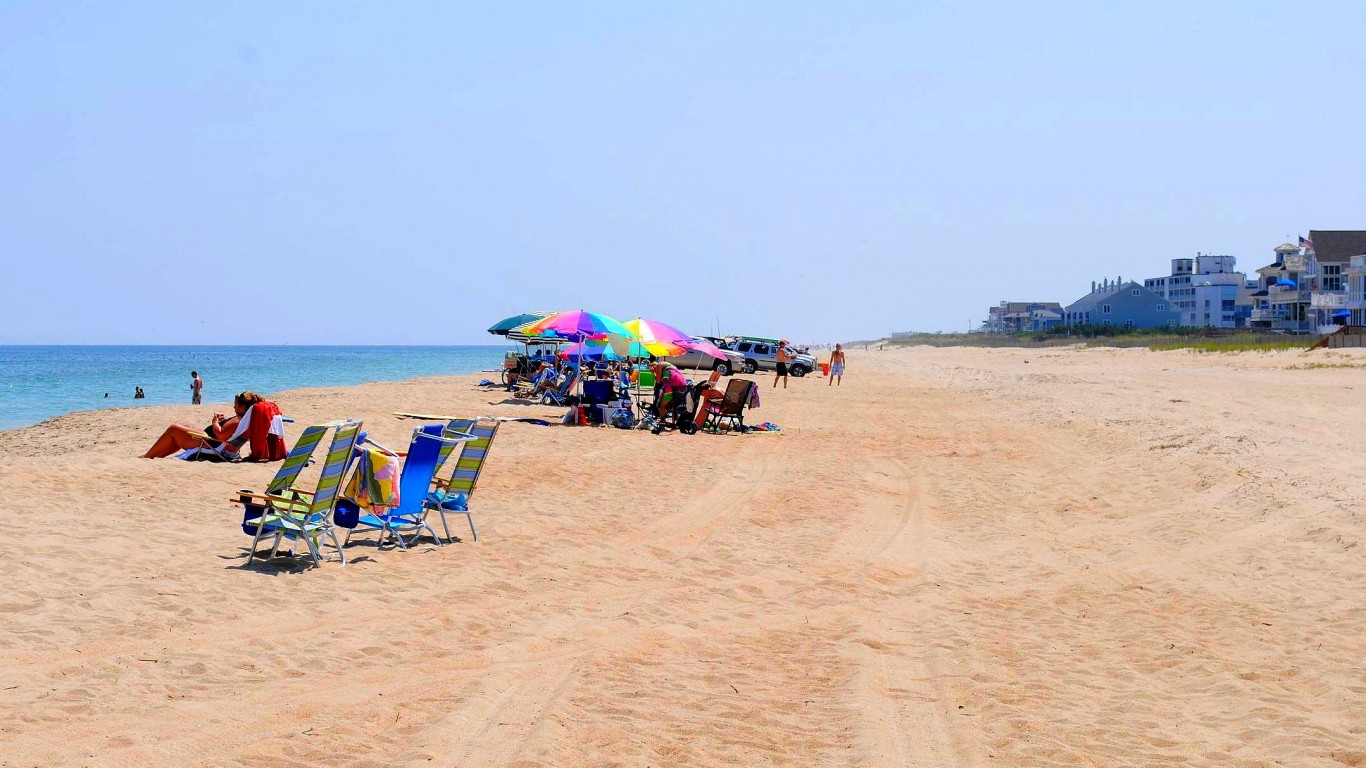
{"x": 39, "y": 382}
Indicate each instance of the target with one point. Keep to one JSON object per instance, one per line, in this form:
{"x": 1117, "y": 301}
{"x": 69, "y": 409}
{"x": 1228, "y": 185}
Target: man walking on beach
{"x": 836, "y": 365}
{"x": 782, "y": 357}
{"x": 196, "y": 387}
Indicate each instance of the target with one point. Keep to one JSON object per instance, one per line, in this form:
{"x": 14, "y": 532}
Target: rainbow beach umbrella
{"x": 590, "y": 349}
{"x": 578, "y": 325}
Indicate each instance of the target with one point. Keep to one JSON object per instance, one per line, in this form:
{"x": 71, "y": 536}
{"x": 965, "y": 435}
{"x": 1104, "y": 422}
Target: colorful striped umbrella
{"x": 578, "y": 325}
{"x": 589, "y": 350}
{"x": 653, "y": 330}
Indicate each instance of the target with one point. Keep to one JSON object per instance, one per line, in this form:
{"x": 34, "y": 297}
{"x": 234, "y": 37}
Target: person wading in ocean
{"x": 196, "y": 387}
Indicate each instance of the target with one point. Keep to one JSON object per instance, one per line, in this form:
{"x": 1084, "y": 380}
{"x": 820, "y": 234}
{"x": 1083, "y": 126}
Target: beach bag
{"x": 622, "y": 418}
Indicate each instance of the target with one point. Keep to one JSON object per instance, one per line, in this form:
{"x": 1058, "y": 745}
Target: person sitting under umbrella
{"x": 669, "y": 384}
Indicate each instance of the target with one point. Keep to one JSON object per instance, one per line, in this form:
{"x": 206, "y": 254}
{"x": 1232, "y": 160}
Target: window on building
{"x": 1332, "y": 277}
{"x": 1128, "y": 323}
{"x": 1105, "y": 309}
{"x": 1133, "y": 292}
{"x": 1171, "y": 323}
{"x": 1106, "y": 321}
{"x": 1161, "y": 307}
{"x": 1206, "y": 303}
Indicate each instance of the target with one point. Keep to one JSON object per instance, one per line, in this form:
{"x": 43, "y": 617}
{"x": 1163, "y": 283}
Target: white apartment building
{"x": 1207, "y": 291}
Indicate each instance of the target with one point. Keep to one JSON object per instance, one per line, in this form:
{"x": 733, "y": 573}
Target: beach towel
{"x": 753, "y": 397}
{"x": 263, "y": 429}
{"x": 374, "y": 481}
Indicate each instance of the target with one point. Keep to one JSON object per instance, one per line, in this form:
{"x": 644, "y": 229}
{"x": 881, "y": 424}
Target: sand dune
{"x": 960, "y": 557}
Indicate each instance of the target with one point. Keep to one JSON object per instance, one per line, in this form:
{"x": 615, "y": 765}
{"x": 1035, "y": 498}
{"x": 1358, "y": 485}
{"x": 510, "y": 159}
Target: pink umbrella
{"x": 705, "y": 347}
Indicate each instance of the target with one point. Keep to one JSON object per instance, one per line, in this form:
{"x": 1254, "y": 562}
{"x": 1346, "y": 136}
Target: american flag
{"x": 1306, "y": 244}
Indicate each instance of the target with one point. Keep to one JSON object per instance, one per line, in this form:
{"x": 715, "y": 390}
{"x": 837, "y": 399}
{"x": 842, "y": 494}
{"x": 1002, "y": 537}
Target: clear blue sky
{"x": 820, "y": 171}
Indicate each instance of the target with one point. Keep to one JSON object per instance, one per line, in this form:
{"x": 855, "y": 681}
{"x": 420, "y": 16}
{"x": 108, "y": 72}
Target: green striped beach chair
{"x": 288, "y": 512}
{"x": 452, "y": 494}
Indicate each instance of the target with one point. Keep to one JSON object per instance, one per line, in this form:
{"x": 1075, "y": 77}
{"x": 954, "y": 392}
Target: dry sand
{"x": 960, "y": 557}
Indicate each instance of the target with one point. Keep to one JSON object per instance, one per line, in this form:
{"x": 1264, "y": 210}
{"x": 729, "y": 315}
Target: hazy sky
{"x": 231, "y": 172}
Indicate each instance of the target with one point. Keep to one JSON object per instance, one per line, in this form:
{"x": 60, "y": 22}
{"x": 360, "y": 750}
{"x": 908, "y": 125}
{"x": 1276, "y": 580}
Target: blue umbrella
{"x": 1286, "y": 283}
{"x": 1343, "y": 313}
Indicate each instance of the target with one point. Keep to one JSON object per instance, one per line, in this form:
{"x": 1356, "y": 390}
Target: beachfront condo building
{"x": 1122, "y": 304}
{"x": 1206, "y": 292}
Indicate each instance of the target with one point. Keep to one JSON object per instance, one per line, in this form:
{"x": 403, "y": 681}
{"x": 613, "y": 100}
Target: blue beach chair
{"x": 419, "y": 467}
{"x": 560, "y": 395}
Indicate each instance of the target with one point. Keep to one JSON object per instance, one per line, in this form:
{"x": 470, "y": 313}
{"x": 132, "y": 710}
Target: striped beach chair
{"x": 431, "y": 445}
{"x": 288, "y": 512}
{"x": 452, "y": 494}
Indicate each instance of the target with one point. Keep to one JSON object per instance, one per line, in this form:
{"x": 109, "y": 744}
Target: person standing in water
{"x": 196, "y": 387}
{"x": 836, "y": 365}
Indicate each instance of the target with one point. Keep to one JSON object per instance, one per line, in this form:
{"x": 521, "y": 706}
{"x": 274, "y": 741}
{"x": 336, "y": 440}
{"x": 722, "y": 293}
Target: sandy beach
{"x": 961, "y": 557}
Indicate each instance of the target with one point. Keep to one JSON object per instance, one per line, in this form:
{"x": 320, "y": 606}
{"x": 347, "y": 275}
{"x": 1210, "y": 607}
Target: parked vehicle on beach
{"x": 762, "y": 354}
{"x": 734, "y": 360}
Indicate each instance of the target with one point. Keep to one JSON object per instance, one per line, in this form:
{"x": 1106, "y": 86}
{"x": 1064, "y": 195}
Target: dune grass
{"x": 1158, "y": 342}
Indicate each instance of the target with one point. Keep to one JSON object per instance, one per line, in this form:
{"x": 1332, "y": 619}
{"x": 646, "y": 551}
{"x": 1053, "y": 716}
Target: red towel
{"x": 265, "y": 445}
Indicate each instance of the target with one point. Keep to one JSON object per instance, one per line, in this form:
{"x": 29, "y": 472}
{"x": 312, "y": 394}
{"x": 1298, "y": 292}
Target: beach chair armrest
{"x": 241, "y": 498}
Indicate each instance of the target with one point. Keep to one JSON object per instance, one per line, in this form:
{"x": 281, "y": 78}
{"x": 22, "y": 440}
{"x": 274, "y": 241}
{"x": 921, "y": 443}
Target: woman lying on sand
{"x": 179, "y": 437}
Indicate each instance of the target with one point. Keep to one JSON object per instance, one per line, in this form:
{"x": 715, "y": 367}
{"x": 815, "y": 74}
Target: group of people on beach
{"x": 225, "y": 435}
{"x": 784, "y": 356}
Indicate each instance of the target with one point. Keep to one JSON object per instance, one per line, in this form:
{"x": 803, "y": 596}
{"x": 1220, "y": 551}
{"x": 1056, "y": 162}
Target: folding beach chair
{"x": 560, "y": 395}
{"x": 731, "y": 408}
{"x": 645, "y": 387}
{"x": 453, "y": 493}
{"x": 425, "y": 454}
{"x": 288, "y": 512}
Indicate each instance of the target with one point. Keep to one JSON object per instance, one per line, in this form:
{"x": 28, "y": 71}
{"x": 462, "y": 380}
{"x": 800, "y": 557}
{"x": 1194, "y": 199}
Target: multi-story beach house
{"x": 1118, "y": 303}
{"x": 1354, "y": 275}
{"x": 1018, "y": 316}
{"x": 1206, "y": 291}
{"x": 1307, "y": 290}
{"x": 1278, "y": 303}
{"x": 1332, "y": 253}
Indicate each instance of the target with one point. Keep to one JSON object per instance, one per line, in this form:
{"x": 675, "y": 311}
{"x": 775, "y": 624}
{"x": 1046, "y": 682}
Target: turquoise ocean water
{"x": 39, "y": 382}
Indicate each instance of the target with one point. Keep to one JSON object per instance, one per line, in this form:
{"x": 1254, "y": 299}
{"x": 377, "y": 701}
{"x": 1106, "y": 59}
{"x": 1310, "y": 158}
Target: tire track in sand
{"x": 509, "y": 709}
{"x": 909, "y": 714}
